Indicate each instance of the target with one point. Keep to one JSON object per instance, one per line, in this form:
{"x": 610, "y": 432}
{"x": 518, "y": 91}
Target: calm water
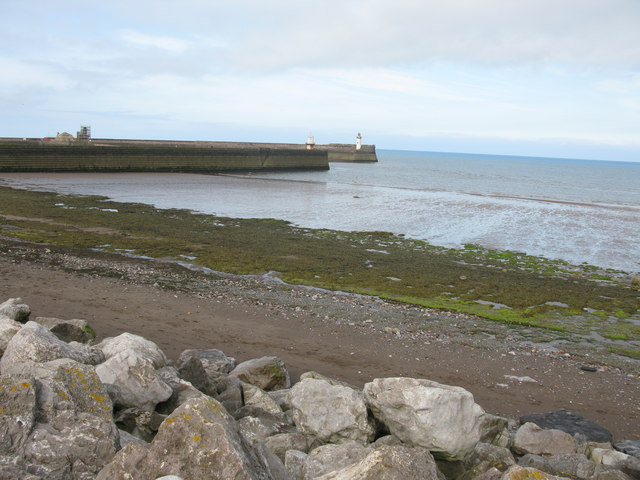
{"x": 578, "y": 210}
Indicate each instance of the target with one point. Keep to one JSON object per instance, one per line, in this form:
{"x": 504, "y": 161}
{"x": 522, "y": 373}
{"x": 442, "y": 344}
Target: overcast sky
{"x": 526, "y": 77}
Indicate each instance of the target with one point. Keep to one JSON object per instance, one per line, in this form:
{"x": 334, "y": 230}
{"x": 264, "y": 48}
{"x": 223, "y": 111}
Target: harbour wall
{"x": 27, "y": 156}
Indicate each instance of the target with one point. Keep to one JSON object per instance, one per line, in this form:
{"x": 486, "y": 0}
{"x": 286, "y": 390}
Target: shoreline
{"x": 350, "y": 337}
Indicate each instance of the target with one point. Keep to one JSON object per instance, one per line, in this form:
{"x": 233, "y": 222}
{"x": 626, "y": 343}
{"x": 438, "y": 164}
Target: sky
{"x": 555, "y": 78}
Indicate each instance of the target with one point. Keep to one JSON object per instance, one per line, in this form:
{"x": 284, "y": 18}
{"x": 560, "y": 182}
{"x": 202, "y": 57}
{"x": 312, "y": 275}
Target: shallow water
{"x": 577, "y": 210}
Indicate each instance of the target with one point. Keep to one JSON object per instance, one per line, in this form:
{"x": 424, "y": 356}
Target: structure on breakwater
{"x": 66, "y": 153}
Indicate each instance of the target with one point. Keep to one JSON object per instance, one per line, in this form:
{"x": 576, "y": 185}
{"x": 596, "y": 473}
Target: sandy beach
{"x": 353, "y": 338}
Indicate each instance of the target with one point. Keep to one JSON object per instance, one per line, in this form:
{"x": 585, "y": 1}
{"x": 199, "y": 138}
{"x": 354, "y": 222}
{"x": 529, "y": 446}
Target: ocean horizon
{"x": 581, "y": 211}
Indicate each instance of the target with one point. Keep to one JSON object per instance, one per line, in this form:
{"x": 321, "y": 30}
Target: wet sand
{"x": 348, "y": 337}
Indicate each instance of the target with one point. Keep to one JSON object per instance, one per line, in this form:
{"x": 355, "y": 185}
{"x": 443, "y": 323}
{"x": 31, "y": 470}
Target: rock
{"x": 333, "y": 413}
{"x": 139, "y": 423}
{"x": 74, "y": 330}
{"x": 281, "y": 397}
{"x": 182, "y": 390}
{"x": 630, "y": 447}
{"x": 8, "y": 328}
{"x": 33, "y": 343}
{"x": 281, "y": 443}
{"x": 136, "y": 376}
{"x": 17, "y": 412}
{"x": 267, "y": 373}
{"x": 516, "y": 472}
{"x": 530, "y": 438}
{"x": 330, "y": 458}
{"x": 15, "y": 309}
{"x": 126, "y": 438}
{"x": 574, "y": 465}
{"x": 440, "y": 418}
{"x": 387, "y": 440}
{"x": 198, "y": 440}
{"x": 570, "y": 422}
{"x": 112, "y": 346}
{"x": 294, "y": 463}
{"x": 608, "y": 457}
{"x": 72, "y": 435}
{"x": 213, "y": 361}
{"x": 483, "y": 458}
{"x": 253, "y": 430}
{"x": 259, "y": 398}
{"x": 319, "y": 376}
{"x": 390, "y": 463}
{"x": 495, "y": 430}
{"x": 229, "y": 392}
{"x": 193, "y": 372}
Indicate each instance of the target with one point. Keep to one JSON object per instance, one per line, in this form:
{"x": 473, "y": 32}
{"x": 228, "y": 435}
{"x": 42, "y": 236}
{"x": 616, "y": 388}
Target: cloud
{"x": 170, "y": 44}
{"x": 495, "y": 32}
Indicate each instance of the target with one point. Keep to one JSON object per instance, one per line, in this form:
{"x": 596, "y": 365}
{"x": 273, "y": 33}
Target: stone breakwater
{"x": 120, "y": 409}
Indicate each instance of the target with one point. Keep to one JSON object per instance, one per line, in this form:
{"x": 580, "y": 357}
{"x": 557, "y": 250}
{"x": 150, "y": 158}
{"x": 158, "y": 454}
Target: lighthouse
{"x": 358, "y": 141}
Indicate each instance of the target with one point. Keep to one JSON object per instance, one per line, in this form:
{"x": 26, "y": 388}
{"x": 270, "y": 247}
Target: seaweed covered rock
{"x": 333, "y": 413}
{"x": 74, "y": 330}
{"x": 571, "y": 423}
{"x": 267, "y": 373}
{"x": 441, "y": 418}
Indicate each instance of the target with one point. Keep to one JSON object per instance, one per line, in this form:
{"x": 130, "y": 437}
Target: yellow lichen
{"x": 98, "y": 398}
{"x": 169, "y": 420}
{"x": 25, "y": 384}
{"x": 196, "y": 438}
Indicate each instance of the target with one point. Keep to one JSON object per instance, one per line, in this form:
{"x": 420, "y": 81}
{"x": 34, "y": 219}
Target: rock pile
{"x": 119, "y": 409}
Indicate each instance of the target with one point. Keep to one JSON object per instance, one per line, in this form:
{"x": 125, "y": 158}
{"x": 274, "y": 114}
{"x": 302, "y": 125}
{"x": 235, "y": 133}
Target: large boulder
{"x": 193, "y": 372}
{"x": 571, "y": 423}
{"x": 74, "y": 330}
{"x": 267, "y": 373}
{"x": 8, "y": 328}
{"x": 134, "y": 372}
{"x": 112, "y": 346}
{"x": 34, "y": 343}
{"x": 68, "y": 432}
{"x": 333, "y": 413}
{"x": 630, "y": 447}
{"x": 485, "y": 457}
{"x": 259, "y": 398}
{"x": 441, "y": 418}
{"x": 530, "y": 438}
{"x": 390, "y": 463}
{"x": 15, "y": 309}
{"x": 199, "y": 440}
{"x": 214, "y": 361}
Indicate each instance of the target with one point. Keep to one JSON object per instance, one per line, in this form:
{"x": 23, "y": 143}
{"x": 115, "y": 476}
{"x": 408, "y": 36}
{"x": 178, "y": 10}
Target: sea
{"x": 582, "y": 211}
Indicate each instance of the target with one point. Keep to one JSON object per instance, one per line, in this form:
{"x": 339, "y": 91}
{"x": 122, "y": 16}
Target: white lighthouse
{"x": 358, "y": 141}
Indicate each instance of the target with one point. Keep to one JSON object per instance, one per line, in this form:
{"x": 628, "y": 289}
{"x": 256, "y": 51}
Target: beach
{"x": 349, "y": 337}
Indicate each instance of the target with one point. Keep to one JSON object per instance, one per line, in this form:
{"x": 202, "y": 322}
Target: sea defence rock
{"x": 333, "y": 413}
{"x": 15, "y": 309}
{"x": 571, "y": 423}
{"x": 267, "y": 373}
{"x": 58, "y": 421}
{"x": 440, "y": 418}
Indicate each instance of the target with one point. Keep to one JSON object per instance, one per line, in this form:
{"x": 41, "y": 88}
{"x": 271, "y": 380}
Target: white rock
{"x": 441, "y": 418}
{"x": 8, "y": 328}
{"x": 259, "y": 398}
{"x": 530, "y": 438}
{"x": 15, "y": 309}
{"x": 128, "y": 341}
{"x": 136, "y": 376}
{"x": 267, "y": 373}
{"x": 33, "y": 343}
{"x": 390, "y": 463}
{"x": 333, "y": 413}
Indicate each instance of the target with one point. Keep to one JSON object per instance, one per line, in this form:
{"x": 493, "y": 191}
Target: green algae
{"x": 504, "y": 286}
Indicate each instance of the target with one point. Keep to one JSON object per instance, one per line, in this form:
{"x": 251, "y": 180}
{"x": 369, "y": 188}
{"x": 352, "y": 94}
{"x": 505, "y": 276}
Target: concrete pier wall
{"x": 120, "y": 156}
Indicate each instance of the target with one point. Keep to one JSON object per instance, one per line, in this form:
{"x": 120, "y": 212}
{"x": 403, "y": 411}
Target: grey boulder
{"x": 333, "y": 413}
{"x": 74, "y": 330}
{"x": 15, "y": 309}
{"x": 530, "y": 438}
{"x": 441, "y": 418}
{"x": 267, "y": 373}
